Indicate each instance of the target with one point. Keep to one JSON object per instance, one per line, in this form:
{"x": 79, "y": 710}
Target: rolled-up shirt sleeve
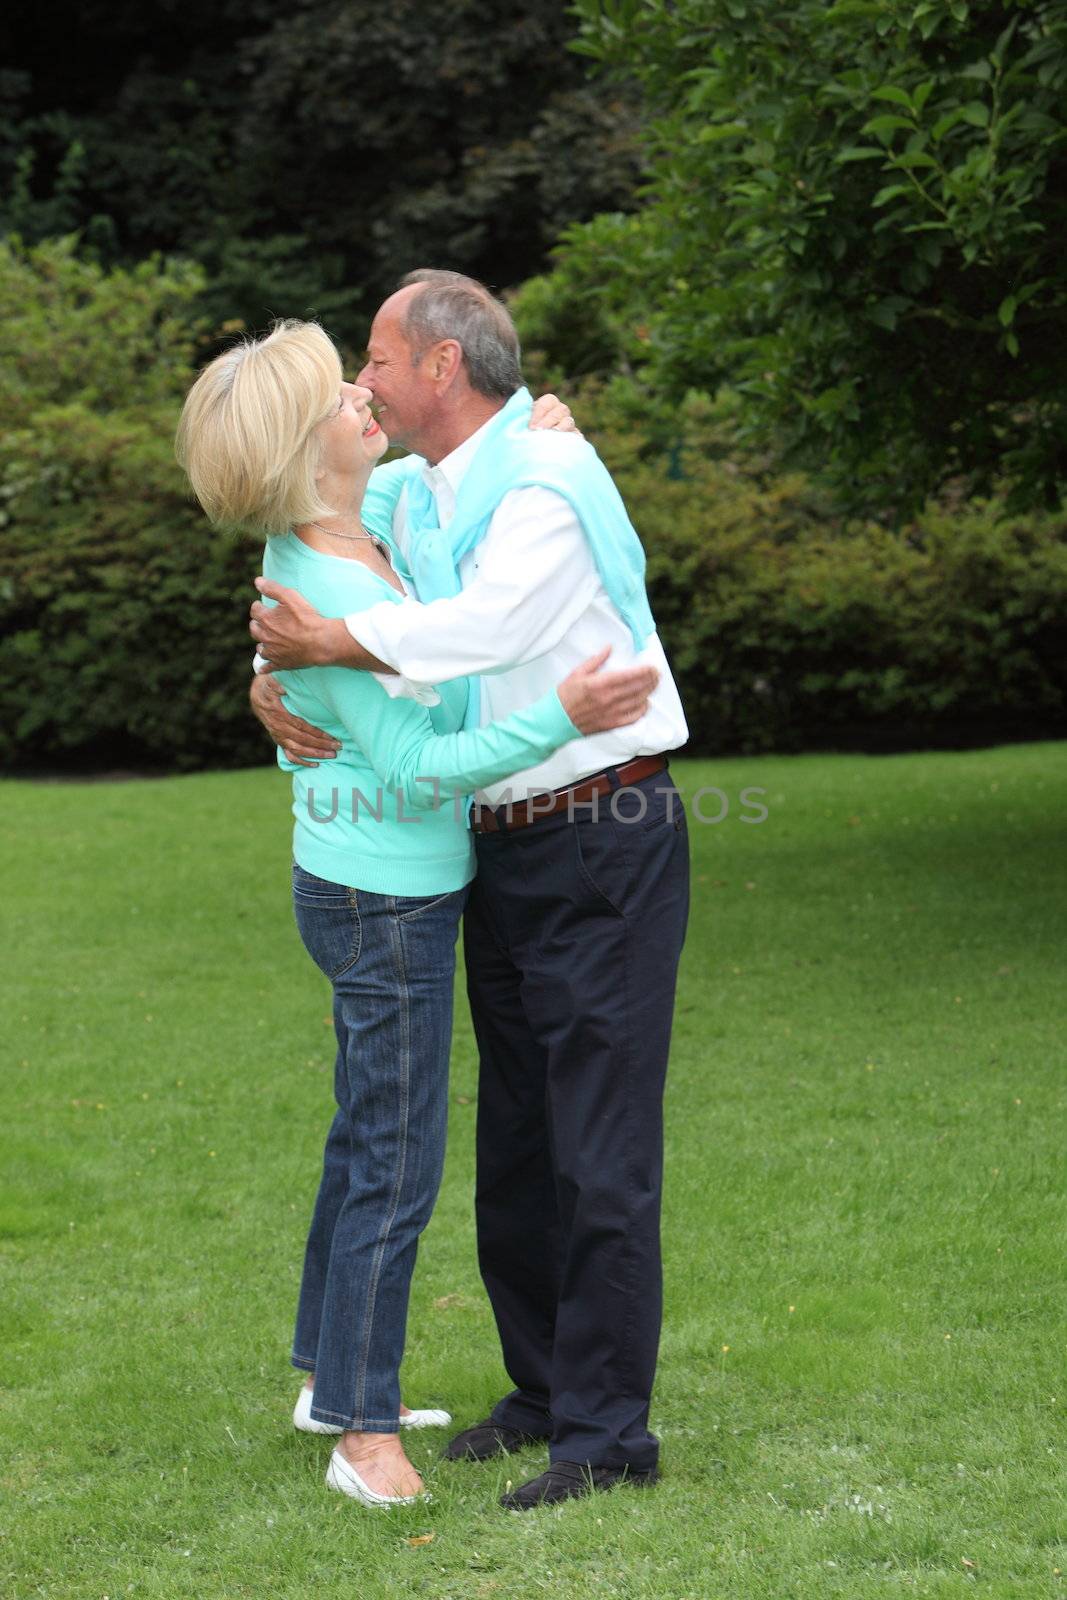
{"x": 535, "y": 577}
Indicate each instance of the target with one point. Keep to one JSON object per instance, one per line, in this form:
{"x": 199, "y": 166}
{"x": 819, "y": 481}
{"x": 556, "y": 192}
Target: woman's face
{"x": 351, "y": 438}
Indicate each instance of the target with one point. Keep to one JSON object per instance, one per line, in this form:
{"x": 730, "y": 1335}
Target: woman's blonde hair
{"x": 246, "y": 438}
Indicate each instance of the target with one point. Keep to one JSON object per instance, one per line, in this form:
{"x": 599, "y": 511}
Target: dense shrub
{"x": 123, "y": 616}
{"x": 790, "y": 630}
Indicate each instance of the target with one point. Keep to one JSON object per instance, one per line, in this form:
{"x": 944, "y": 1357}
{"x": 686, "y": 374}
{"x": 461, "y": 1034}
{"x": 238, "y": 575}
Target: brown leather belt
{"x": 503, "y": 818}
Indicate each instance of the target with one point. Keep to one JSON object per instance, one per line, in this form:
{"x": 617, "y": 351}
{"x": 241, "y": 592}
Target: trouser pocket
{"x": 327, "y": 917}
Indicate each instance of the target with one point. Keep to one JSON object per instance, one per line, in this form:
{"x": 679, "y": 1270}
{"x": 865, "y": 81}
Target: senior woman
{"x": 272, "y": 438}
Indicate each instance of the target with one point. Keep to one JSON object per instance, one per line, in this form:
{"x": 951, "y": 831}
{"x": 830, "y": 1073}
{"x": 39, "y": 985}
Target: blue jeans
{"x": 391, "y": 960}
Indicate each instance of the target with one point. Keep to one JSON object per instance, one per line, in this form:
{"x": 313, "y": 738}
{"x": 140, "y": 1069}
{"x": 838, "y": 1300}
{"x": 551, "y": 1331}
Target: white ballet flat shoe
{"x": 342, "y": 1475}
{"x": 303, "y": 1419}
{"x": 426, "y": 1419}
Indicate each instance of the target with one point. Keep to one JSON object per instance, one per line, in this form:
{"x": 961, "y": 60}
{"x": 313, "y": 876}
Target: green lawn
{"x": 862, "y": 1386}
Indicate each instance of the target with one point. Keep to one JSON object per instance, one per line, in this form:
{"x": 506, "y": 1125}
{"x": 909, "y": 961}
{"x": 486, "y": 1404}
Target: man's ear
{"x": 446, "y": 362}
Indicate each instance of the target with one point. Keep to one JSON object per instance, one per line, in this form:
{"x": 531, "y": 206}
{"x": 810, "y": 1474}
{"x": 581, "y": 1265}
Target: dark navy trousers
{"x": 572, "y": 936}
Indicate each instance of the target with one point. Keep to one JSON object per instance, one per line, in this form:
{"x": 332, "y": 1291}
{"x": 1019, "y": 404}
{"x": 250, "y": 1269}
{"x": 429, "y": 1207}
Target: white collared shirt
{"x": 531, "y": 609}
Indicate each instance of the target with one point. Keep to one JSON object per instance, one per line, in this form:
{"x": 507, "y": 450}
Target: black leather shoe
{"x": 485, "y": 1440}
{"x": 566, "y": 1479}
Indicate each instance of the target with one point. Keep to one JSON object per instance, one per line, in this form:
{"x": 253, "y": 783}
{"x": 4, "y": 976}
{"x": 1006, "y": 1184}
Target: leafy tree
{"x": 856, "y": 215}
{"x": 307, "y": 155}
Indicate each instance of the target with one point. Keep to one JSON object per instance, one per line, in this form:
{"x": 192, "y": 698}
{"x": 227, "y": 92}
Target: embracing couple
{"x": 439, "y": 628}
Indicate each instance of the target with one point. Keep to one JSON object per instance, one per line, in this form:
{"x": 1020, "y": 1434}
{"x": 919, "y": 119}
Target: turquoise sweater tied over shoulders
{"x": 511, "y": 455}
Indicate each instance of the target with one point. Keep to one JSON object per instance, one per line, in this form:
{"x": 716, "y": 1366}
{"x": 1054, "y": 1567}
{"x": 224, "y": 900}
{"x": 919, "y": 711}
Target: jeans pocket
{"x": 328, "y": 920}
{"x": 315, "y": 891}
{"x": 409, "y": 906}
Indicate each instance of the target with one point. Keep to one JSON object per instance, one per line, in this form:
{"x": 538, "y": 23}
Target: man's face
{"x": 405, "y": 395}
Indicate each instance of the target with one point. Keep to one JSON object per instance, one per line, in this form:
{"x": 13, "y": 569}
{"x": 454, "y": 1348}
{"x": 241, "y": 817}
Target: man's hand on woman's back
{"x": 302, "y": 744}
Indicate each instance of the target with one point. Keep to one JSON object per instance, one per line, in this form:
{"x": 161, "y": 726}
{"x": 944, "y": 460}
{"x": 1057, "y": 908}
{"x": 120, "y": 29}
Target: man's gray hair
{"x": 452, "y": 306}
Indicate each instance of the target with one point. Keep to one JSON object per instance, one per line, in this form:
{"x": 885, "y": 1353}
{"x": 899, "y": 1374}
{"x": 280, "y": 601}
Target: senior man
{"x": 524, "y": 564}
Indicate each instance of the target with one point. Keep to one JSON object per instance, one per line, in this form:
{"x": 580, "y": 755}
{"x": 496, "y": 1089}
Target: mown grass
{"x": 862, "y": 1380}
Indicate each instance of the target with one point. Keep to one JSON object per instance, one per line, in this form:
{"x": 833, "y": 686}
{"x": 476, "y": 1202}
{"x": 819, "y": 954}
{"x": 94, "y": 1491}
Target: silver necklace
{"x": 335, "y": 533}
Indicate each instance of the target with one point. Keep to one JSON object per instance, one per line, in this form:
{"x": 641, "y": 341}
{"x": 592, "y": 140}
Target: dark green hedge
{"x": 791, "y": 630}
{"x": 124, "y": 617}
{"x": 123, "y": 637}
{"x": 952, "y": 634}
